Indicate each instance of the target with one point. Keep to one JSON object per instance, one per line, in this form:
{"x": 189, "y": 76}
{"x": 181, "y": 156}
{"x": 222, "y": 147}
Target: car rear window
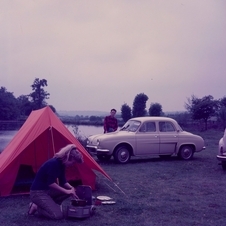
{"x": 166, "y": 127}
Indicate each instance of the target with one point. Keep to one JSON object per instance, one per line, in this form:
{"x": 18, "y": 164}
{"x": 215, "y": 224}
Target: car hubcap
{"x": 123, "y": 155}
{"x": 187, "y": 153}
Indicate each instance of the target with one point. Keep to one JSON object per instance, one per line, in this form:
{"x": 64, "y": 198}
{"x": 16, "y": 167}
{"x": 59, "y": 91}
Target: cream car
{"x": 145, "y": 136}
{"x": 221, "y": 156}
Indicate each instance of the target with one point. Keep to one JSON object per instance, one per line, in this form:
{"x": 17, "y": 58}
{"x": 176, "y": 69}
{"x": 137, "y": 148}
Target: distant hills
{"x": 84, "y": 113}
{"x": 98, "y": 113}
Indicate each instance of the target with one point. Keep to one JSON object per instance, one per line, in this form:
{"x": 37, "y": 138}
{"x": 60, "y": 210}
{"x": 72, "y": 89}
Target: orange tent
{"x": 40, "y": 137}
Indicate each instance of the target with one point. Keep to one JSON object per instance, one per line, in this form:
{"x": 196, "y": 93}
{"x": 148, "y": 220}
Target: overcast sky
{"x": 99, "y": 54}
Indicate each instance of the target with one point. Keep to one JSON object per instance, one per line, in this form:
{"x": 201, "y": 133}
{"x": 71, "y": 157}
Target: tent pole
{"x": 54, "y": 152}
{"x": 51, "y": 130}
{"x": 115, "y": 186}
{"x": 120, "y": 189}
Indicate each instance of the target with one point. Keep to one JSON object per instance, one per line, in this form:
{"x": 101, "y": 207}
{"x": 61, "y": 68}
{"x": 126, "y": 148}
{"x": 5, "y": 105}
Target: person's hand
{"x": 72, "y": 192}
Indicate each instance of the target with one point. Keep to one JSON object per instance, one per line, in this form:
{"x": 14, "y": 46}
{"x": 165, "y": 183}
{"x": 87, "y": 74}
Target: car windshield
{"x": 131, "y": 125}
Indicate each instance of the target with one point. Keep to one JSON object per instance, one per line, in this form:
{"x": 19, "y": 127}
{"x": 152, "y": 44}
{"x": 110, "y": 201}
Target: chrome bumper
{"x": 221, "y": 157}
{"x": 95, "y": 150}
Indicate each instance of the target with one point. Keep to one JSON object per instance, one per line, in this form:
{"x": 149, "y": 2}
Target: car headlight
{"x": 98, "y": 142}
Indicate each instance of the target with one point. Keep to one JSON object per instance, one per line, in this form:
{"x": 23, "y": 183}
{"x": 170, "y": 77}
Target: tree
{"x": 8, "y": 105}
{"x": 25, "y": 106}
{"x": 126, "y": 112}
{"x": 222, "y": 111}
{"x": 139, "y": 105}
{"x": 222, "y": 101}
{"x": 155, "y": 109}
{"x": 202, "y": 109}
{"x": 39, "y": 95}
{"x": 183, "y": 118}
{"x": 94, "y": 118}
{"x": 222, "y": 116}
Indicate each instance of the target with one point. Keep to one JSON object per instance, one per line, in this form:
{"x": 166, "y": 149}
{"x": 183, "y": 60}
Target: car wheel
{"x": 186, "y": 152}
{"x": 122, "y": 155}
{"x": 223, "y": 163}
{"x": 104, "y": 158}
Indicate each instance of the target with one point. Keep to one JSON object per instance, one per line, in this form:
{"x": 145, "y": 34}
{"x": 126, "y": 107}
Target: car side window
{"x": 148, "y": 127}
{"x": 166, "y": 127}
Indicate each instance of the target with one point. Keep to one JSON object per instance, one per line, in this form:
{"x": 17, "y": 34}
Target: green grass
{"x": 154, "y": 192}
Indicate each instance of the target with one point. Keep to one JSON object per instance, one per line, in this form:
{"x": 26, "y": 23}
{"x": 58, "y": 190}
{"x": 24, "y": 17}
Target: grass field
{"x": 153, "y": 192}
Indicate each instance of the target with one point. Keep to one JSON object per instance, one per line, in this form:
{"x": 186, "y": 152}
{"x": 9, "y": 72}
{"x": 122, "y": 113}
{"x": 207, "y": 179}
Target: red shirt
{"x": 110, "y": 124}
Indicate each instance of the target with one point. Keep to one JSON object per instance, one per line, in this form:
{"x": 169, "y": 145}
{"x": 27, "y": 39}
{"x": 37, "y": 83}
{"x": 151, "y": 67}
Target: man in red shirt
{"x": 110, "y": 122}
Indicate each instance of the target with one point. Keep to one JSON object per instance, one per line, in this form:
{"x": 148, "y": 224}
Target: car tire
{"x": 104, "y": 158}
{"x": 223, "y": 164}
{"x": 122, "y": 155}
{"x": 186, "y": 152}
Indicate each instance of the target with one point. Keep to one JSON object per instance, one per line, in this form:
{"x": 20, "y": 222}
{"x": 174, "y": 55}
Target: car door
{"x": 147, "y": 139}
{"x": 168, "y": 138}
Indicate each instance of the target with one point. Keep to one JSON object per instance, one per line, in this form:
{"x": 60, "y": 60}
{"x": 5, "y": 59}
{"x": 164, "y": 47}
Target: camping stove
{"x": 82, "y": 209}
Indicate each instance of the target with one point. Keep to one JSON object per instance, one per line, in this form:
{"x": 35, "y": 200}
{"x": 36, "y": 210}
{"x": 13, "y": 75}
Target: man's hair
{"x": 113, "y": 110}
{"x": 69, "y": 153}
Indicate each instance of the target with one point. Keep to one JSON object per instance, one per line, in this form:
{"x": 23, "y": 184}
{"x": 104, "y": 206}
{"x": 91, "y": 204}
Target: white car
{"x": 145, "y": 136}
{"x": 221, "y": 156}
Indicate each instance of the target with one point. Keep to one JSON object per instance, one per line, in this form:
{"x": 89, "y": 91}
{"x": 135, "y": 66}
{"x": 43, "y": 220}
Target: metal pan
{"x": 78, "y": 202}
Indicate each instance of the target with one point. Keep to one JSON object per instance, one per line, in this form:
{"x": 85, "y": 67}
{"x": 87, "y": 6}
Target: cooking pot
{"x": 78, "y": 202}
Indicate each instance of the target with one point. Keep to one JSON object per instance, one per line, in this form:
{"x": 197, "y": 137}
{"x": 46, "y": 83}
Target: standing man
{"x": 110, "y": 122}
